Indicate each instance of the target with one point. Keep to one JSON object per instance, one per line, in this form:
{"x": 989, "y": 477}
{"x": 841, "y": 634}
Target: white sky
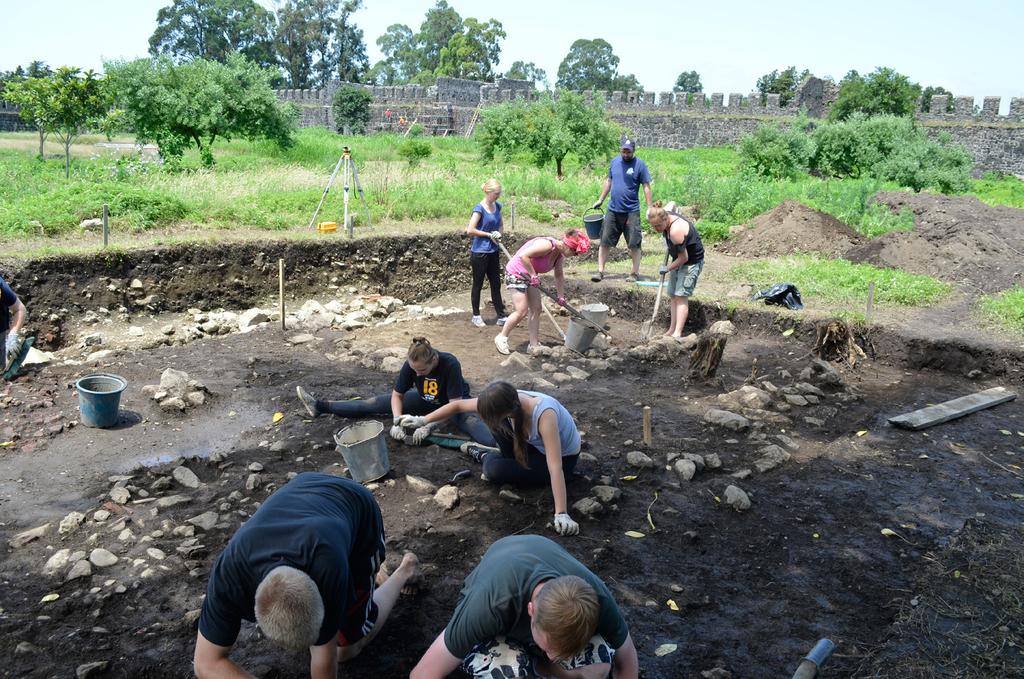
{"x": 971, "y": 49}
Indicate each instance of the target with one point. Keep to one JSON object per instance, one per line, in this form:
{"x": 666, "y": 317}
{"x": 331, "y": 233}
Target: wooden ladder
{"x": 472, "y": 123}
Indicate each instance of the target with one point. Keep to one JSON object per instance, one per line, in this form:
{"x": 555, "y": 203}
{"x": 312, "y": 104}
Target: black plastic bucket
{"x": 593, "y": 224}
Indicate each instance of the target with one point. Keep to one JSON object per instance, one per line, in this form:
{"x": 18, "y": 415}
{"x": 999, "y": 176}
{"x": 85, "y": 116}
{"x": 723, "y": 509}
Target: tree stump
{"x": 835, "y": 341}
{"x": 707, "y": 355}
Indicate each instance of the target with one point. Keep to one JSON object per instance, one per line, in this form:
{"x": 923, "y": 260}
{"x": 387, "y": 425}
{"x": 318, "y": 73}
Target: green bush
{"x": 921, "y": 163}
{"x": 776, "y": 151}
{"x": 351, "y": 108}
{"x": 854, "y": 147}
{"x": 416, "y": 130}
{"x": 415, "y": 150}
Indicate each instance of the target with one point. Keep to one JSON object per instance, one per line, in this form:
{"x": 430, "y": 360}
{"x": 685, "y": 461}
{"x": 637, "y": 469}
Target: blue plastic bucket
{"x": 99, "y": 399}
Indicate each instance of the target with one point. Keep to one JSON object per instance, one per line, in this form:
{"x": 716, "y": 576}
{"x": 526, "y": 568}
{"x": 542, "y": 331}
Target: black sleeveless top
{"x": 692, "y": 244}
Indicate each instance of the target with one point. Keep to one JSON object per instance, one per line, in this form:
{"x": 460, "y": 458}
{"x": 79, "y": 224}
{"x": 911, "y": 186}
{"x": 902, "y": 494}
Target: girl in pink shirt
{"x": 536, "y": 256}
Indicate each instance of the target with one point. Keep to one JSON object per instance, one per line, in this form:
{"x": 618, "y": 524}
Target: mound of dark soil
{"x": 789, "y": 228}
{"x": 957, "y": 239}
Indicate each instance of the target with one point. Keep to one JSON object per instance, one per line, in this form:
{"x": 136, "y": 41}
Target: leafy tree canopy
{"x": 317, "y": 41}
{"x": 929, "y": 92}
{"x": 177, "y": 105}
{"x": 881, "y": 92}
{"x": 782, "y": 83}
{"x": 592, "y": 64}
{"x": 351, "y": 108}
{"x": 688, "y": 81}
{"x": 521, "y": 70}
{"x": 473, "y": 52}
{"x": 213, "y": 29}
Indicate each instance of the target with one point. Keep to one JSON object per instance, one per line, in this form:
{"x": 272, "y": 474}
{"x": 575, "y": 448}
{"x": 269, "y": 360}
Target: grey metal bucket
{"x": 579, "y": 337}
{"x": 364, "y": 449}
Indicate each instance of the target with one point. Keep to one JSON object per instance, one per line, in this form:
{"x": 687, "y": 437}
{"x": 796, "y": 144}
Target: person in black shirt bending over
{"x": 686, "y": 261}
{"x": 437, "y": 378}
{"x": 304, "y": 567}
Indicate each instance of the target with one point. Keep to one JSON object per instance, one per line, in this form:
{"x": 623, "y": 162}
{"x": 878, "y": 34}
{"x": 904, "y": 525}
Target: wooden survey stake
{"x": 280, "y": 289}
{"x": 647, "y": 426}
{"x": 950, "y": 410}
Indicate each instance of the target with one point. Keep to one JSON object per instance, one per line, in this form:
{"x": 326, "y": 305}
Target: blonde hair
{"x": 420, "y": 350}
{"x": 289, "y": 609}
{"x": 491, "y": 184}
{"x": 566, "y": 609}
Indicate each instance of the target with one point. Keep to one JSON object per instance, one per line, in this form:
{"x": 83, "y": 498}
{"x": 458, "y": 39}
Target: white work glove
{"x": 397, "y": 432}
{"x": 596, "y": 205}
{"x": 494, "y": 235}
{"x": 412, "y": 421}
{"x": 12, "y": 341}
{"x": 564, "y": 525}
{"x": 422, "y": 433}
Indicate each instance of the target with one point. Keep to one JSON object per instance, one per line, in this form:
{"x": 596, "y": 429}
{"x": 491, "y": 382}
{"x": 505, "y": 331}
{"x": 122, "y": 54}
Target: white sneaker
{"x": 501, "y": 320}
{"x": 501, "y": 342}
{"x": 477, "y": 321}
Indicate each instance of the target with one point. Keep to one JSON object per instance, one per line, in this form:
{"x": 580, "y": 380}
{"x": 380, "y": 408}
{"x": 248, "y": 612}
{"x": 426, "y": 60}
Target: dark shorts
{"x": 364, "y": 563}
{"x": 618, "y": 223}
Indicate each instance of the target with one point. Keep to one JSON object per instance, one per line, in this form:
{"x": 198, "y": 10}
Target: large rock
{"x": 120, "y": 494}
{"x": 174, "y": 382}
{"x": 91, "y": 669}
{"x": 588, "y": 506}
{"x": 251, "y": 318}
{"x": 736, "y": 498}
{"x": 314, "y": 316}
{"x": 606, "y": 494}
{"x": 391, "y": 364}
{"x": 722, "y": 328}
{"x": 516, "y": 360}
{"x": 637, "y": 458}
{"x": 420, "y": 484}
{"x": 447, "y": 497}
{"x": 712, "y": 461}
{"x": 57, "y": 562}
{"x": 102, "y": 558}
{"x": 726, "y": 419}
{"x": 771, "y": 457}
{"x": 205, "y": 521}
{"x": 686, "y": 469}
{"x": 172, "y": 500}
{"x": 70, "y": 523}
{"x": 81, "y": 569}
{"x": 577, "y": 373}
{"x": 185, "y": 477}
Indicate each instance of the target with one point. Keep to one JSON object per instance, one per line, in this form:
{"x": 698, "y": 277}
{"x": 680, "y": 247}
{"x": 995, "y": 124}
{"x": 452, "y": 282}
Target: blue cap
{"x": 626, "y": 143}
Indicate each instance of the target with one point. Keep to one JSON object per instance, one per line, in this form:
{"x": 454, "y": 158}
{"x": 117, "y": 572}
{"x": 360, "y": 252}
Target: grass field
{"x": 1006, "y": 308}
{"x": 259, "y": 186}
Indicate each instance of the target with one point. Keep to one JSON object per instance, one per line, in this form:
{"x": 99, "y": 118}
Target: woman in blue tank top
{"x": 485, "y": 227}
{"x": 538, "y": 442}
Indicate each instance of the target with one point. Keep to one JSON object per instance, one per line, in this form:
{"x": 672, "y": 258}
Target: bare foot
{"x": 408, "y": 573}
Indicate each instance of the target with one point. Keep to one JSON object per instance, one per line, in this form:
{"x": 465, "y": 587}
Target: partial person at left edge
{"x": 12, "y": 319}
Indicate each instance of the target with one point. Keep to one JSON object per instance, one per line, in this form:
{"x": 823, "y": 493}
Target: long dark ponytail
{"x": 501, "y": 410}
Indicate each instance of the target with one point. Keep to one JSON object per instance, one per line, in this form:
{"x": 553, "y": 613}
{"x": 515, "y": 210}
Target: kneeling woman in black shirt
{"x": 437, "y": 378}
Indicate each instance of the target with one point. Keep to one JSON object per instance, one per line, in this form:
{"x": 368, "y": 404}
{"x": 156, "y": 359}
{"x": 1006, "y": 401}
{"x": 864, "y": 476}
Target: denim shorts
{"x": 683, "y": 280}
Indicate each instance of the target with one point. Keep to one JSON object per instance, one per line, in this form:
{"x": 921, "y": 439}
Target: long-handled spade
{"x": 647, "y": 326}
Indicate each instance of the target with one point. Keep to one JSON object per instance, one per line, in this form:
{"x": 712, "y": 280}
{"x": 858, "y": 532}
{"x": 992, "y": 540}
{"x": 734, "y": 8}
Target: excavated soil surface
{"x": 790, "y": 228}
{"x": 754, "y": 590}
{"x": 958, "y": 239}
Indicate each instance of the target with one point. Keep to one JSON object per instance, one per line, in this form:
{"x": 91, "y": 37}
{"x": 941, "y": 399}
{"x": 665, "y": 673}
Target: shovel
{"x": 647, "y": 326}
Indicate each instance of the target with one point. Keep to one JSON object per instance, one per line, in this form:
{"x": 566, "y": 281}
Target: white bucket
{"x": 578, "y": 336}
{"x": 364, "y": 449}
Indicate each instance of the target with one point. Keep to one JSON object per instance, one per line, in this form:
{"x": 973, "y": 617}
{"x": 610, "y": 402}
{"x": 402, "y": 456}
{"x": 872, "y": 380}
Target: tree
{"x": 439, "y": 26}
{"x": 472, "y": 52}
{"x": 591, "y": 64}
{"x": 929, "y": 92}
{"x": 177, "y": 105}
{"x": 783, "y": 84}
{"x": 548, "y": 130}
{"x": 351, "y": 107}
{"x": 401, "y": 60}
{"x": 521, "y": 70}
{"x": 213, "y": 29}
{"x": 688, "y": 81}
{"x": 881, "y": 92}
{"x": 317, "y": 41}
{"x": 30, "y": 96}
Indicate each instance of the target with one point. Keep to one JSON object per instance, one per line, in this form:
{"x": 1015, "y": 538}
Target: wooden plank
{"x": 950, "y": 410}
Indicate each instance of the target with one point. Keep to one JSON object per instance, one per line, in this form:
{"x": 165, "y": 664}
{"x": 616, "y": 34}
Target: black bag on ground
{"x": 781, "y": 294}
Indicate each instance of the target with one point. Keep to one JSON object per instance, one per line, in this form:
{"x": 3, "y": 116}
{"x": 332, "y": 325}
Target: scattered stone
{"x": 637, "y": 458}
{"x": 167, "y": 330}
{"x": 81, "y": 569}
{"x": 814, "y": 421}
{"x": 588, "y": 506}
{"x": 70, "y": 523}
{"x": 25, "y": 537}
{"x": 606, "y": 494}
{"x": 727, "y": 419}
{"x": 172, "y": 500}
{"x": 587, "y": 457}
{"x": 686, "y": 469}
{"x": 157, "y": 554}
{"x": 173, "y": 404}
{"x": 102, "y": 558}
{"x": 712, "y": 461}
{"x": 807, "y": 388}
{"x": 91, "y": 669}
{"x": 57, "y": 562}
{"x": 420, "y": 485}
{"x": 561, "y": 378}
{"x": 786, "y": 441}
{"x": 205, "y": 521}
{"x": 184, "y": 531}
{"x": 795, "y": 400}
{"x": 98, "y": 356}
{"x": 722, "y": 328}
{"x": 100, "y": 515}
{"x": 120, "y": 495}
{"x": 716, "y": 673}
{"x": 391, "y": 364}
{"x": 516, "y": 360}
{"x": 303, "y": 338}
{"x": 736, "y": 498}
{"x": 26, "y": 648}
{"x": 696, "y": 459}
{"x": 742, "y": 474}
{"x": 577, "y": 373}
{"x": 447, "y": 497}
{"x": 247, "y": 320}
{"x": 506, "y": 494}
{"x": 195, "y": 398}
{"x": 253, "y": 482}
{"x": 185, "y": 477}
{"x": 771, "y": 457}
{"x": 136, "y": 331}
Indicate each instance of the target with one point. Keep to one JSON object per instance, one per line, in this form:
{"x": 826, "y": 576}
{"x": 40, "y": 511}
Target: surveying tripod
{"x": 348, "y": 173}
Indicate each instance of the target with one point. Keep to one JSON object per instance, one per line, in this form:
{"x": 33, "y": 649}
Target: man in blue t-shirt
{"x": 10, "y": 307}
{"x": 304, "y": 567}
{"x": 625, "y": 177}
